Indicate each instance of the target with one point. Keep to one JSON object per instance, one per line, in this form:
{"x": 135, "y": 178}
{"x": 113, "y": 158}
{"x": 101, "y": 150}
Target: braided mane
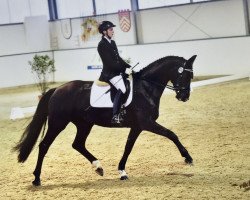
{"x": 158, "y": 62}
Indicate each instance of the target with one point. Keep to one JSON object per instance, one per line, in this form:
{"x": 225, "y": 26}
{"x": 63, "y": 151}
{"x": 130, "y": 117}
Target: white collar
{"x": 109, "y": 40}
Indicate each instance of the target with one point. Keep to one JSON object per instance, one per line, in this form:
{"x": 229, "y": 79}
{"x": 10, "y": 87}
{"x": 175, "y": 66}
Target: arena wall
{"x": 215, "y": 31}
{"x": 215, "y": 57}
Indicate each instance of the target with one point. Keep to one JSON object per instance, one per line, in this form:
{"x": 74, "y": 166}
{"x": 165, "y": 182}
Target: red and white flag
{"x": 124, "y": 20}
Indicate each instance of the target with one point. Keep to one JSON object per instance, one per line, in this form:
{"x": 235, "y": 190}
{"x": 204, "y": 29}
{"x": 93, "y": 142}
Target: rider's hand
{"x": 129, "y": 71}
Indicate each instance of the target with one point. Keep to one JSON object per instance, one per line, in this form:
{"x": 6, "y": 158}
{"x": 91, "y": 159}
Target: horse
{"x": 70, "y": 102}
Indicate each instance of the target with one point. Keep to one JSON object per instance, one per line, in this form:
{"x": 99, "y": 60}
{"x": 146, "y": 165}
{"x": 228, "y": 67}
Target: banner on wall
{"x": 90, "y": 29}
{"x": 124, "y": 20}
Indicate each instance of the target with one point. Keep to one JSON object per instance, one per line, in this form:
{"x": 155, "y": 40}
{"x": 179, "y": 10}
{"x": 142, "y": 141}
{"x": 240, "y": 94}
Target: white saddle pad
{"x": 100, "y": 99}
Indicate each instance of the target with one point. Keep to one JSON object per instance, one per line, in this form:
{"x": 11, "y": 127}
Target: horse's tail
{"x": 32, "y": 131}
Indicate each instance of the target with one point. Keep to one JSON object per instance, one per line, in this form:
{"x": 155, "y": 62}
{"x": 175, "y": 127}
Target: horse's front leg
{"x": 133, "y": 135}
{"x": 160, "y": 130}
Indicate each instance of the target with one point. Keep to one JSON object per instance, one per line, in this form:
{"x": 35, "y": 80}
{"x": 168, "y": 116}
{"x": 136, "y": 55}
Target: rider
{"x": 113, "y": 66}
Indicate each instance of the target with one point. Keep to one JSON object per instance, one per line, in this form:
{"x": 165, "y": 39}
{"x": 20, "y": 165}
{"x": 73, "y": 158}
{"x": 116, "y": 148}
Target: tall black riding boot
{"x": 117, "y": 118}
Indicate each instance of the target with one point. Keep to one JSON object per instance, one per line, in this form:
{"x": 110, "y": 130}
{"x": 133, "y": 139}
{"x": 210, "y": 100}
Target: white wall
{"x": 32, "y": 36}
{"x": 37, "y": 33}
{"x": 15, "y": 70}
{"x": 215, "y": 56}
{"x": 12, "y": 39}
{"x": 195, "y": 21}
{"x": 186, "y": 22}
{"x": 77, "y": 30}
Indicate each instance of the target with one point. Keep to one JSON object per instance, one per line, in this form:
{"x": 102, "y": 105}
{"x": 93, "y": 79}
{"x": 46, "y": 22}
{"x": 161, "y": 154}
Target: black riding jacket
{"x": 113, "y": 64}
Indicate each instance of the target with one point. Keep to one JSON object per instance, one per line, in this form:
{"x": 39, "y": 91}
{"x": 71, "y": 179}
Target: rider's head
{"x": 106, "y": 29}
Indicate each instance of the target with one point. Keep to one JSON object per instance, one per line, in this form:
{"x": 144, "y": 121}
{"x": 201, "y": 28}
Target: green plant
{"x": 42, "y": 66}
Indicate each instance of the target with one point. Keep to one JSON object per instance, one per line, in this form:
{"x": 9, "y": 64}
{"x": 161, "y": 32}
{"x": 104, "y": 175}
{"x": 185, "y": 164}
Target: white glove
{"x": 129, "y": 71}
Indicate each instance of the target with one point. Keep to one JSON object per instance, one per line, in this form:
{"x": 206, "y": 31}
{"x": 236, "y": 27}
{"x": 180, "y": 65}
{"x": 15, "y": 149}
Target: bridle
{"x": 176, "y": 88}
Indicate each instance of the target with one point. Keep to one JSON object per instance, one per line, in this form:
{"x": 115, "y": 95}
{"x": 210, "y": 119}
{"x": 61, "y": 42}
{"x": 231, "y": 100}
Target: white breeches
{"x": 118, "y": 82}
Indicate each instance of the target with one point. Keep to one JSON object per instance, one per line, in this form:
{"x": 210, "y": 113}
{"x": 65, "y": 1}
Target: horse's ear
{"x": 191, "y": 61}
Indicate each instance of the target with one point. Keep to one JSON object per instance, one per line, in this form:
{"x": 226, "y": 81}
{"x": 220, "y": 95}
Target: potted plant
{"x": 42, "y": 66}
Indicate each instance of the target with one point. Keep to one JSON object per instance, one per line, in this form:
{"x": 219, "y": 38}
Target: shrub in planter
{"x": 42, "y": 66}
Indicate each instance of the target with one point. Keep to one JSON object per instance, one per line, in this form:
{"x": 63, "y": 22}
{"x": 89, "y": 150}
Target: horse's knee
{"x": 173, "y": 137}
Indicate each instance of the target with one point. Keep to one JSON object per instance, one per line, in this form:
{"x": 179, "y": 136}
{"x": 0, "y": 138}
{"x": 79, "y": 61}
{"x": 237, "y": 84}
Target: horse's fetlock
{"x": 37, "y": 173}
{"x": 96, "y": 164}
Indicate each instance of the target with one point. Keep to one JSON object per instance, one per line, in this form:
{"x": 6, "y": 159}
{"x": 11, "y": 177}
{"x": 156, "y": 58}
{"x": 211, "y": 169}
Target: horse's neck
{"x": 158, "y": 73}
{"x": 155, "y": 79}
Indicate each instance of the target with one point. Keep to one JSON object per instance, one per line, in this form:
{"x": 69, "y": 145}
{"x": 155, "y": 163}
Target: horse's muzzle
{"x": 183, "y": 96}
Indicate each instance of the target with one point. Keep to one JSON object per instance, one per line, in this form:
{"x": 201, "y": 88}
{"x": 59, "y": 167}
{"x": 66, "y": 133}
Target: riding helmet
{"x": 105, "y": 25}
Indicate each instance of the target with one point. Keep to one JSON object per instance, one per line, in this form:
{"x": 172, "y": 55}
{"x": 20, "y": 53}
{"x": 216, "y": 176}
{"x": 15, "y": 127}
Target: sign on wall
{"x": 124, "y": 20}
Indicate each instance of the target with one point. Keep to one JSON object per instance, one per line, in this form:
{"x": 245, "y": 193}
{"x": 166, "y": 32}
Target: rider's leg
{"x": 117, "y": 104}
{"x": 118, "y": 83}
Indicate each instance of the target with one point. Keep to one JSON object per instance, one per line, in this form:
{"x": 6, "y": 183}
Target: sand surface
{"x": 214, "y": 125}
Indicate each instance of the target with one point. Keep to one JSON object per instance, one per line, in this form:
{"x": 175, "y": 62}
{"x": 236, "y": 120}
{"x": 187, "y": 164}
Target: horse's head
{"x": 182, "y": 78}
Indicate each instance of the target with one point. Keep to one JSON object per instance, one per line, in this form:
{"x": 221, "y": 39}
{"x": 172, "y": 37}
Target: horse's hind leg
{"x": 50, "y": 136}
{"x": 83, "y": 130}
{"x": 133, "y": 135}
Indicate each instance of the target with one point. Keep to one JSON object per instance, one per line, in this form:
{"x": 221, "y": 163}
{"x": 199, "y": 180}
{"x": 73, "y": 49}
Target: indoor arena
{"x": 183, "y": 127}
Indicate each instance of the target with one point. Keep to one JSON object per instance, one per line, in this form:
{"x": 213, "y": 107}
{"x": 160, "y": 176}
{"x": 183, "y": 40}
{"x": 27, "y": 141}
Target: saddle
{"x": 102, "y": 94}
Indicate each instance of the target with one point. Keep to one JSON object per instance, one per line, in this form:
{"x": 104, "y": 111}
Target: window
{"x": 13, "y": 11}
{"x": 74, "y": 8}
{"x": 111, "y": 6}
{"x": 143, "y": 4}
{"x": 200, "y": 0}
{"x": 39, "y": 7}
{"x": 4, "y": 12}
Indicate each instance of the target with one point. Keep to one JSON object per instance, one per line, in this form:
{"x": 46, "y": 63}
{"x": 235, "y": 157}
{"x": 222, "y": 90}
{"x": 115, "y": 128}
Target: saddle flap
{"x": 101, "y": 94}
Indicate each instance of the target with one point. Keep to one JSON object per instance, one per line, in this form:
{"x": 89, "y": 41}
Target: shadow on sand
{"x": 170, "y": 179}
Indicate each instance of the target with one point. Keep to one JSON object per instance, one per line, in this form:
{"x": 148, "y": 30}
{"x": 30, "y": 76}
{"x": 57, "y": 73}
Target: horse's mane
{"x": 158, "y": 62}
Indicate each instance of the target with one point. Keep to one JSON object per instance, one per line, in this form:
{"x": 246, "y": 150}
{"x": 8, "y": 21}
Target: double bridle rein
{"x": 174, "y": 88}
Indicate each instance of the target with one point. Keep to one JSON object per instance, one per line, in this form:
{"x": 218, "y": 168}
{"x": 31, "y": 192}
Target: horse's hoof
{"x": 36, "y": 183}
{"x": 124, "y": 178}
{"x": 189, "y": 161}
{"x": 99, "y": 171}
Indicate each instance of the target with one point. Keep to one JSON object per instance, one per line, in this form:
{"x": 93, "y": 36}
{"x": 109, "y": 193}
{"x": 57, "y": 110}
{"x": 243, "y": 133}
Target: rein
{"x": 180, "y": 70}
{"x": 165, "y": 86}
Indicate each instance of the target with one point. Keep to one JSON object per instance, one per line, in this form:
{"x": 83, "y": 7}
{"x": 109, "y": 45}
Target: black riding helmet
{"x": 105, "y": 25}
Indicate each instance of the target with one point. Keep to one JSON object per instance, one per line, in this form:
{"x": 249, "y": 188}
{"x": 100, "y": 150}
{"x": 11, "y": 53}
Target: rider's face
{"x": 109, "y": 32}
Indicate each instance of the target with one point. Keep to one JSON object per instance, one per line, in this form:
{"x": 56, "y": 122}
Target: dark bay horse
{"x": 71, "y": 103}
